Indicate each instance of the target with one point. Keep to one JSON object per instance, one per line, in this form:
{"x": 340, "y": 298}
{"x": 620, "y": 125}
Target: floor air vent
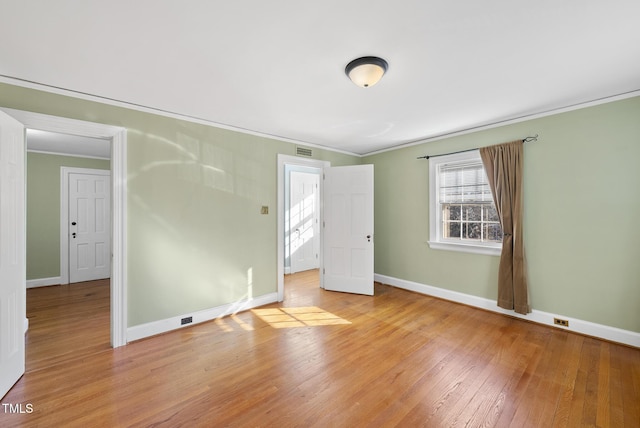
{"x": 303, "y": 151}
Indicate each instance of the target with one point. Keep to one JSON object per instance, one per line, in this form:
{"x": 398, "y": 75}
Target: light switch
{"x": 264, "y": 209}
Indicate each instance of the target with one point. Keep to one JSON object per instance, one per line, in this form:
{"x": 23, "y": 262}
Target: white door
{"x": 348, "y": 229}
{"x": 89, "y": 226}
{"x": 12, "y": 252}
{"x": 303, "y": 221}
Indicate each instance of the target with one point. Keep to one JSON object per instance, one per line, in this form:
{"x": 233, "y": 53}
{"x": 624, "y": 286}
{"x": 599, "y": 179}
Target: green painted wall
{"x": 43, "y": 210}
{"x": 196, "y": 235}
{"x": 582, "y": 215}
{"x": 196, "y": 238}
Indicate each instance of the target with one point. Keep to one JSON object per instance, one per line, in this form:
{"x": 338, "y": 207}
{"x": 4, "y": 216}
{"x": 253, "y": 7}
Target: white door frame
{"x": 282, "y": 161}
{"x": 64, "y": 215}
{"x": 118, "y": 137}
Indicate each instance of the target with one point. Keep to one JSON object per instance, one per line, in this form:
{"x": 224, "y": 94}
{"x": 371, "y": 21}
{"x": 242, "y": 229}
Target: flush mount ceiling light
{"x": 366, "y": 71}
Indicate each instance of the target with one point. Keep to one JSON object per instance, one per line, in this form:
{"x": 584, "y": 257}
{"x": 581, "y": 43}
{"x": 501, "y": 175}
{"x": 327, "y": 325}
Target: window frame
{"x": 435, "y": 212}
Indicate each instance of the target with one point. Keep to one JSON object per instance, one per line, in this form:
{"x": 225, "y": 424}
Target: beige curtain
{"x": 503, "y": 164}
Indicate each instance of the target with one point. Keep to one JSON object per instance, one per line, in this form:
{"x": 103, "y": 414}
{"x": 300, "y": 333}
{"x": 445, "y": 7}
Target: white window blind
{"x": 464, "y": 182}
{"x": 463, "y": 215}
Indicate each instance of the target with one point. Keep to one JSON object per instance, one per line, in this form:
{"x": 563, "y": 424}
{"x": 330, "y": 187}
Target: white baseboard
{"x": 162, "y": 326}
{"x": 43, "y": 282}
{"x": 613, "y": 334}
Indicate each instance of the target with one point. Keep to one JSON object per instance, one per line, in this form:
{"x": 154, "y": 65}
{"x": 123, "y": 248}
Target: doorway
{"x": 347, "y": 203}
{"x": 118, "y": 137}
{"x": 287, "y": 163}
{"x": 68, "y": 254}
{"x": 302, "y": 219}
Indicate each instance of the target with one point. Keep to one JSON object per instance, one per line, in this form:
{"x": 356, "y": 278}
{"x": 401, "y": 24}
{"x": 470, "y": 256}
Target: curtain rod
{"x": 524, "y": 140}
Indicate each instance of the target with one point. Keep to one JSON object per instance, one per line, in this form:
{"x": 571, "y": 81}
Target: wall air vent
{"x": 303, "y": 151}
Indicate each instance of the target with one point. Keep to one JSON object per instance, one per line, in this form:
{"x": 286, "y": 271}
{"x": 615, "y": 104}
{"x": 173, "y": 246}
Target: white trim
{"x": 160, "y": 112}
{"x": 119, "y": 285}
{"x": 64, "y": 214}
{"x": 118, "y": 137}
{"x": 283, "y": 160}
{"x": 512, "y": 121}
{"x": 70, "y": 155}
{"x": 45, "y": 122}
{"x": 465, "y": 248}
{"x": 588, "y": 328}
{"x": 43, "y": 282}
{"x": 162, "y": 326}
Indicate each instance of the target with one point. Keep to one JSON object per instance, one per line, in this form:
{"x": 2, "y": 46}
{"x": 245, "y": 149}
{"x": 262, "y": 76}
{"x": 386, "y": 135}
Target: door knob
{"x": 73, "y": 235}
{"x": 368, "y": 238}
{"x": 73, "y": 223}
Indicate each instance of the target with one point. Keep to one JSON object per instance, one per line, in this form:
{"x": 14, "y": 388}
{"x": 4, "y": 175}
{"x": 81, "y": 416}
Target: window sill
{"x": 465, "y": 248}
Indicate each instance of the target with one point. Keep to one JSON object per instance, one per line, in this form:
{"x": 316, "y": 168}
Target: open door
{"x": 348, "y": 229}
{"x": 12, "y": 253}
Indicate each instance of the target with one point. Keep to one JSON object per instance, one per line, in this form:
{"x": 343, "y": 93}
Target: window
{"x": 463, "y": 216}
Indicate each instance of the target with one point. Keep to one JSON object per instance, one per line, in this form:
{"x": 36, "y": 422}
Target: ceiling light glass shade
{"x": 366, "y": 71}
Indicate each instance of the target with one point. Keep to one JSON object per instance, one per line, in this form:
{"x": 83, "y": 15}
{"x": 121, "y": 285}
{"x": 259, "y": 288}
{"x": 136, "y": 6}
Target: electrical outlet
{"x": 186, "y": 320}
{"x": 563, "y": 323}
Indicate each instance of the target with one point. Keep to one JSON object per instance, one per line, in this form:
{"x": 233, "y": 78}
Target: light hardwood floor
{"x": 321, "y": 359}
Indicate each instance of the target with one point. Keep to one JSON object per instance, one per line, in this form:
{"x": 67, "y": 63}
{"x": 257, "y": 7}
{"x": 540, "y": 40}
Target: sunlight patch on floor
{"x": 225, "y": 324}
{"x": 298, "y": 317}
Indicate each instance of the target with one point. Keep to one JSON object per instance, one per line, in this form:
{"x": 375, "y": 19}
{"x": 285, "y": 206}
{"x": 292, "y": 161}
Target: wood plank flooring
{"x": 61, "y": 315}
{"x": 324, "y": 359}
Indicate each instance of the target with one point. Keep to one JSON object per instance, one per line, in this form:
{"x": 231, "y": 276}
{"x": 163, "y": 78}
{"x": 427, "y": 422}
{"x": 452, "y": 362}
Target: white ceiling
{"x": 277, "y": 67}
{"x": 64, "y": 144}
